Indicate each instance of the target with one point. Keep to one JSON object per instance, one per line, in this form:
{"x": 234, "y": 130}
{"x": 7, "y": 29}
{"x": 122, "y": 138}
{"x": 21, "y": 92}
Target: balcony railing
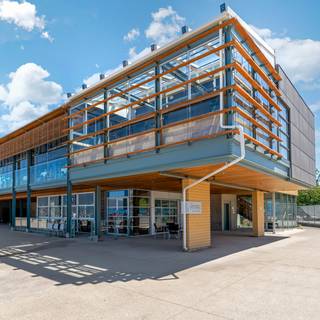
{"x": 50, "y": 171}
{"x": 6, "y": 180}
{"x": 21, "y": 177}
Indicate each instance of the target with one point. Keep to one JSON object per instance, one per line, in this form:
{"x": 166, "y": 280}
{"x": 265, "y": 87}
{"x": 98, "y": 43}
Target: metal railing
{"x": 309, "y": 215}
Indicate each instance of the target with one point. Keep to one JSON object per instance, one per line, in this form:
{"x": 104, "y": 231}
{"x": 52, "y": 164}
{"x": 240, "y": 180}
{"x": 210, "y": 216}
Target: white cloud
{"x": 132, "y": 34}
{"x": 165, "y": 25}
{"x": 134, "y": 55}
{"x": 299, "y": 57}
{"x": 23, "y": 15}
{"x": 27, "y": 96}
{"x": 46, "y": 35}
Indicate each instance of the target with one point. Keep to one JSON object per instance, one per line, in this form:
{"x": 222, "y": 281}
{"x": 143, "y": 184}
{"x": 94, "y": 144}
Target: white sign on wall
{"x": 193, "y": 207}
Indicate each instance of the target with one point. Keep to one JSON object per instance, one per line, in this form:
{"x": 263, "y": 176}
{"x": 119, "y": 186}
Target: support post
{"x": 258, "y": 213}
{"x": 69, "y": 189}
{"x": 273, "y": 212}
{"x": 14, "y": 195}
{"x": 197, "y": 228}
{"x": 28, "y": 190}
{"x": 69, "y": 207}
{"x": 97, "y": 211}
{"x": 157, "y": 107}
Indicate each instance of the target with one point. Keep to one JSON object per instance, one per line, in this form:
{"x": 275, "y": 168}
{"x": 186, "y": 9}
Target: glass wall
{"x": 166, "y": 211}
{"x": 21, "y": 174}
{"x": 286, "y": 211}
{"x": 49, "y": 162}
{"x": 6, "y": 172}
{"x": 128, "y": 212}
{"x": 126, "y": 115}
{"x": 51, "y": 213}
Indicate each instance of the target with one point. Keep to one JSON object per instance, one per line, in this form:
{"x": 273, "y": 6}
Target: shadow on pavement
{"x": 80, "y": 261}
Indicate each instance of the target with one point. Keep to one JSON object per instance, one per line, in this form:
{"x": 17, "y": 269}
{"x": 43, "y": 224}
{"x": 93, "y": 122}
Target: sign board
{"x": 193, "y": 207}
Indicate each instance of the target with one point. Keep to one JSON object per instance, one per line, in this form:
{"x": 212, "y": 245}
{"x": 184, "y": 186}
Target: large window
{"x": 284, "y": 145}
{"x": 128, "y": 212}
{"x": 166, "y": 211}
{"x": 286, "y": 211}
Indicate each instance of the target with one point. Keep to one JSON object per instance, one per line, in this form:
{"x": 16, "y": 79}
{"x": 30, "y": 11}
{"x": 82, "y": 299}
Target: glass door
{"x": 117, "y": 212}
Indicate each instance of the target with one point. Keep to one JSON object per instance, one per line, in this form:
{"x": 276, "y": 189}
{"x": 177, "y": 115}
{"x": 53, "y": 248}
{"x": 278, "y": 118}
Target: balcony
{"x": 6, "y": 180}
{"x": 48, "y": 172}
{"x": 21, "y": 176}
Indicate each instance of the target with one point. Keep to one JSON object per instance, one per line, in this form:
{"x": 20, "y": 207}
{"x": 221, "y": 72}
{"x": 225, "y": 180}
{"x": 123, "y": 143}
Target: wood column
{"x": 198, "y": 225}
{"x": 258, "y": 213}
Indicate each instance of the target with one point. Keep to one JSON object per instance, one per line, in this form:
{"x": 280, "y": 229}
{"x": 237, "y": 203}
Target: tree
{"x": 309, "y": 197}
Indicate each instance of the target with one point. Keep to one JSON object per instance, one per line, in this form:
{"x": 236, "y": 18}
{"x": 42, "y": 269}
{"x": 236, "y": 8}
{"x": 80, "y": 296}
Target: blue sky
{"x": 48, "y": 48}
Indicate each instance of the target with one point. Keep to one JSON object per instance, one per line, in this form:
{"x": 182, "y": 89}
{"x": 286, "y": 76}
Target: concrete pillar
{"x": 198, "y": 225}
{"x": 258, "y": 213}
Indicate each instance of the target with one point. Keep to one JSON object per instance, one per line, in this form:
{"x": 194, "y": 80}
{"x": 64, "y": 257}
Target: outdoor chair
{"x": 173, "y": 230}
{"x": 160, "y": 230}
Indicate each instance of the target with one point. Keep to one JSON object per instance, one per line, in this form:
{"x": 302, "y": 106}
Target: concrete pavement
{"x": 274, "y": 277}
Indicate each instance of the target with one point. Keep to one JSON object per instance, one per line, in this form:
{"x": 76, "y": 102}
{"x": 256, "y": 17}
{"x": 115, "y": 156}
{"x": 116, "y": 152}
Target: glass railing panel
{"x": 191, "y": 130}
{"x": 6, "y": 180}
{"x": 94, "y": 154}
{"x": 21, "y": 176}
{"x": 49, "y": 171}
{"x": 130, "y": 145}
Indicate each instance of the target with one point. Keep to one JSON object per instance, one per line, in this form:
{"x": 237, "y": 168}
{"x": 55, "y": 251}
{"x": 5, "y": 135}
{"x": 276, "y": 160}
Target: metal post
{"x": 106, "y": 125}
{"x": 28, "y": 190}
{"x": 14, "y": 195}
{"x": 69, "y": 206}
{"x": 273, "y": 212}
{"x": 97, "y": 211}
{"x": 157, "y": 107}
{"x": 69, "y": 190}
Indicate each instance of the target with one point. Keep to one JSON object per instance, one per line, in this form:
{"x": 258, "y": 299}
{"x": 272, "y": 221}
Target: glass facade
{"x": 128, "y": 212}
{"x": 51, "y": 213}
{"x": 166, "y": 211}
{"x": 286, "y": 211}
{"x": 49, "y": 171}
{"x": 6, "y": 173}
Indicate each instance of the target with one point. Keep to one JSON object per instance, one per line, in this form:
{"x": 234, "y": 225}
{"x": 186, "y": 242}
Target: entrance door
{"x": 226, "y": 217}
{"x": 117, "y": 213}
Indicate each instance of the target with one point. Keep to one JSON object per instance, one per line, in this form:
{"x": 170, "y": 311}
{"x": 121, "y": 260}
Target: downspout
{"x": 227, "y": 165}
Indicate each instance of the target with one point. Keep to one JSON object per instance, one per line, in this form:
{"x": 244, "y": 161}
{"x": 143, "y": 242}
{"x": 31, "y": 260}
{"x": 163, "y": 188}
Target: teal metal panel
{"x": 197, "y": 153}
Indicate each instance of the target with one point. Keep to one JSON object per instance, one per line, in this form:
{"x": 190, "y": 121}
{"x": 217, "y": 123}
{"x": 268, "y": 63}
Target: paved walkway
{"x": 275, "y": 277}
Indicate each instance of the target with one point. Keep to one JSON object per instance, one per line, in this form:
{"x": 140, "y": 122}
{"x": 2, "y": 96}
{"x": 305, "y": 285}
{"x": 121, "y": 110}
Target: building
{"x": 119, "y": 157}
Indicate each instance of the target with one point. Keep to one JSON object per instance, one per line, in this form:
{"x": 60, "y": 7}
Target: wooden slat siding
{"x": 44, "y": 133}
{"x": 258, "y": 213}
{"x": 198, "y": 225}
